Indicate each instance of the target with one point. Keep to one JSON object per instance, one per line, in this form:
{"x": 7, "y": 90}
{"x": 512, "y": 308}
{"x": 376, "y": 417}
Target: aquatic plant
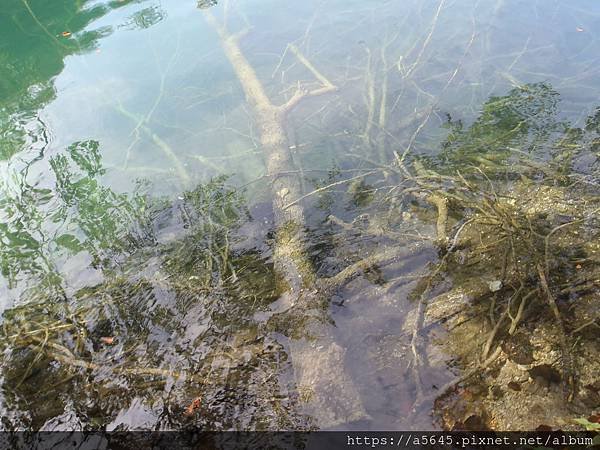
{"x": 104, "y": 336}
{"x": 525, "y": 237}
{"x": 213, "y": 308}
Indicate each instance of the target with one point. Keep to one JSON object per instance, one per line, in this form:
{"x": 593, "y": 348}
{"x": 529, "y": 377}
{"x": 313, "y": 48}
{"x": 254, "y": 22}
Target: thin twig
{"x": 329, "y": 186}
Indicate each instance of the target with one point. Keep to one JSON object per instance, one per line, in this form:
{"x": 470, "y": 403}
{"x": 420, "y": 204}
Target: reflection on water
{"x": 450, "y": 194}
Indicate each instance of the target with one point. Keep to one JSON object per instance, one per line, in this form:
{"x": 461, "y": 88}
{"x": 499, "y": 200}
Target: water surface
{"x": 137, "y": 229}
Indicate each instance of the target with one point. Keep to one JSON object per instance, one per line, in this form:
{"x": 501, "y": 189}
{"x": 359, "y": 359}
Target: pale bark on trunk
{"x": 329, "y": 393}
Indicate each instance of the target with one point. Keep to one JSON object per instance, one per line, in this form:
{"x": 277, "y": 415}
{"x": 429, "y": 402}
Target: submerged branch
{"x": 318, "y": 75}
{"x": 290, "y": 254}
{"x": 352, "y": 271}
{"x": 329, "y": 186}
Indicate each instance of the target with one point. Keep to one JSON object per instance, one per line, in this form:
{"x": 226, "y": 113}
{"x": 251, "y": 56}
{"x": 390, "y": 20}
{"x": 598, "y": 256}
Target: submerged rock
{"x": 329, "y": 394}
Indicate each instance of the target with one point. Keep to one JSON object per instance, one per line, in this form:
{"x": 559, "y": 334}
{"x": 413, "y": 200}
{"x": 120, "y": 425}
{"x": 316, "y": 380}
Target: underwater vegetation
{"x": 173, "y": 315}
{"x": 173, "y": 306}
{"x": 385, "y": 259}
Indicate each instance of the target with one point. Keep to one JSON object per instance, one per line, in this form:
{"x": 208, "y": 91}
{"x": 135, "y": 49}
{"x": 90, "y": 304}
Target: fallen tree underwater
{"x": 318, "y": 362}
{"x": 505, "y": 240}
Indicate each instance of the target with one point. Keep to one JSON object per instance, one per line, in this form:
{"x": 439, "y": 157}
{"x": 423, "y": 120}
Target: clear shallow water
{"x": 97, "y": 96}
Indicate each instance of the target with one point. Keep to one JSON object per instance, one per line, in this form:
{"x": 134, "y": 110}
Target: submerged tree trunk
{"x": 328, "y": 391}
